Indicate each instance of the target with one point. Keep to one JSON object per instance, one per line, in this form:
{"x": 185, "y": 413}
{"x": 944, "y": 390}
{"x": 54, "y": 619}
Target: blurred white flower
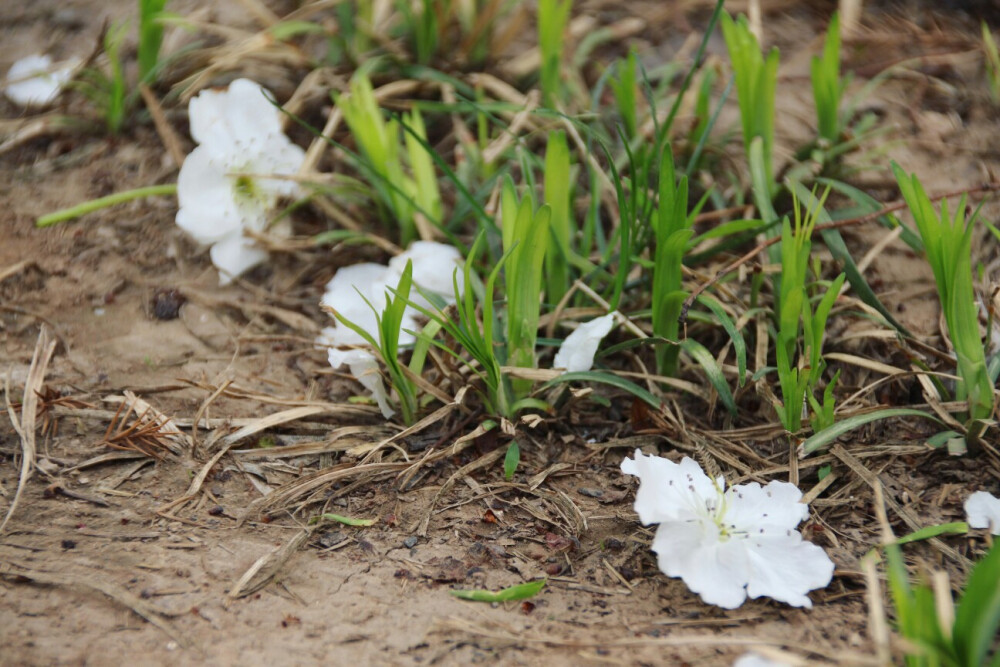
{"x": 358, "y": 292}
{"x": 983, "y": 511}
{"x": 577, "y": 352}
{"x": 35, "y": 81}
{"x": 221, "y": 187}
{"x": 727, "y": 545}
{"x": 434, "y": 266}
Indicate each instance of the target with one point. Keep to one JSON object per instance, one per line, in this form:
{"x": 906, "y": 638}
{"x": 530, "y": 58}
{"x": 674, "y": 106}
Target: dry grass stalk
{"x": 163, "y": 127}
{"x": 265, "y": 568}
{"x": 25, "y": 425}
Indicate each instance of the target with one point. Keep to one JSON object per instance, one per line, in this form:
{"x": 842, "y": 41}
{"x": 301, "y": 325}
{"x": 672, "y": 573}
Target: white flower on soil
{"x": 35, "y": 81}
{"x": 727, "y": 545}
{"x": 221, "y": 189}
{"x": 577, "y": 352}
{"x": 358, "y": 292}
{"x": 983, "y": 511}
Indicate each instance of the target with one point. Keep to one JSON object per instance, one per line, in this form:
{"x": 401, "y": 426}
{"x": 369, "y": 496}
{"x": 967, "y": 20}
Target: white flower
{"x": 577, "y": 352}
{"x": 358, "y": 292}
{"x": 727, "y": 545}
{"x": 350, "y": 292}
{"x": 983, "y": 511}
{"x": 220, "y": 189}
{"x": 34, "y": 81}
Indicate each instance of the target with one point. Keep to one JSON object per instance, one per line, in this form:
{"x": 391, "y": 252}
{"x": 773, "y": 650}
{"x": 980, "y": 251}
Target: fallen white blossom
{"x": 222, "y": 188}
{"x": 35, "y": 81}
{"x": 358, "y": 292}
{"x": 983, "y": 511}
{"x": 577, "y": 352}
{"x": 727, "y": 545}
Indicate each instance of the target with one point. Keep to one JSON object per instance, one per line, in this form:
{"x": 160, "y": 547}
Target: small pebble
{"x": 410, "y": 542}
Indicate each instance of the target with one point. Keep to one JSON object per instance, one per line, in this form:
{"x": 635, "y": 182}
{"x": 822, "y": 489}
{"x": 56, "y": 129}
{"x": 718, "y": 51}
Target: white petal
{"x": 784, "y": 567}
{"x": 754, "y": 660}
{"x": 33, "y": 80}
{"x": 327, "y": 338}
{"x": 434, "y": 266}
{"x": 983, "y": 511}
{"x": 207, "y": 209}
{"x": 715, "y": 570}
{"x": 670, "y": 491}
{"x": 235, "y": 254}
{"x": 776, "y": 505}
{"x": 240, "y": 114}
{"x": 364, "y": 367}
{"x": 346, "y": 293}
{"x": 276, "y": 155}
{"x": 577, "y": 352}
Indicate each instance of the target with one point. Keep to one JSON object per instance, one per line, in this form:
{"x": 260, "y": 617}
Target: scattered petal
{"x": 235, "y": 254}
{"x": 35, "y": 81}
{"x": 983, "y": 511}
{"x": 577, "y": 352}
{"x": 364, "y": 367}
{"x": 728, "y": 545}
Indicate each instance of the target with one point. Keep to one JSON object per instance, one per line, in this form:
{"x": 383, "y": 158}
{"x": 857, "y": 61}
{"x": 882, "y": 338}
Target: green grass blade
{"x": 346, "y": 520}
{"x": 608, "y": 379}
{"x": 700, "y": 353}
{"x": 739, "y": 343}
{"x": 518, "y": 592}
{"x": 977, "y": 619}
{"x": 956, "y": 528}
{"x": 825, "y": 437}
{"x": 510, "y": 460}
{"x": 835, "y": 243}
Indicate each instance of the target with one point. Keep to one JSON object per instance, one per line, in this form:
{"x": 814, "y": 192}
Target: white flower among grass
{"x": 222, "y": 188}
{"x": 358, "y": 292}
{"x": 983, "y": 511}
{"x": 727, "y": 545}
{"x": 35, "y": 81}
{"x": 577, "y": 352}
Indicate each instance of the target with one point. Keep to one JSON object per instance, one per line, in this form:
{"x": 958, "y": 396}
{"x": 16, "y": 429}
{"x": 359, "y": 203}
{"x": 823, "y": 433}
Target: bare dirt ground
{"x": 96, "y": 541}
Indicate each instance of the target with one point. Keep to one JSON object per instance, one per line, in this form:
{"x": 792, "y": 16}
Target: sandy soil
{"x": 95, "y": 542}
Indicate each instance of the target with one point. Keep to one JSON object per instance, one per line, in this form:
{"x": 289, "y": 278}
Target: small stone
{"x": 410, "y": 542}
{"x": 591, "y": 493}
{"x": 167, "y": 304}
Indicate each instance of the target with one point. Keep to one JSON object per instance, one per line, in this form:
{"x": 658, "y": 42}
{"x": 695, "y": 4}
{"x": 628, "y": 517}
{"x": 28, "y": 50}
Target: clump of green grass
{"x": 947, "y": 240}
{"x": 404, "y": 196}
{"x": 938, "y": 633}
{"x": 756, "y": 83}
{"x": 801, "y": 326}
{"x": 108, "y": 89}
